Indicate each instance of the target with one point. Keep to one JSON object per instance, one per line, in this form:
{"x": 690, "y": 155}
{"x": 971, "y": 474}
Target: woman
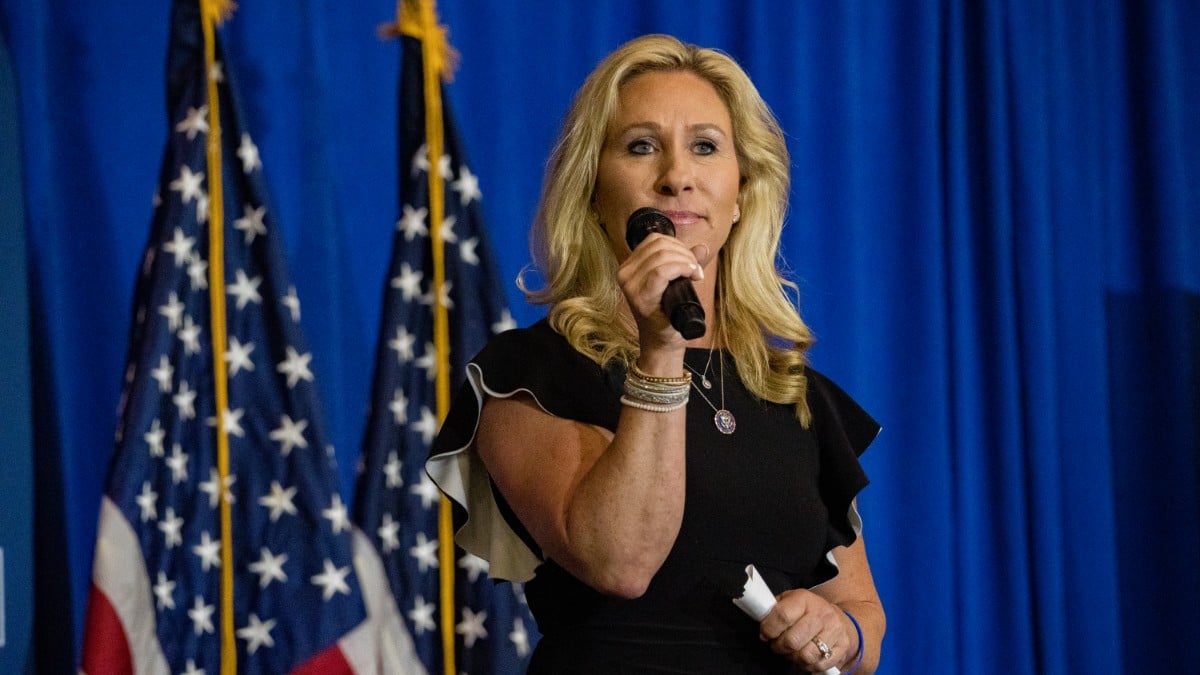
{"x": 582, "y": 463}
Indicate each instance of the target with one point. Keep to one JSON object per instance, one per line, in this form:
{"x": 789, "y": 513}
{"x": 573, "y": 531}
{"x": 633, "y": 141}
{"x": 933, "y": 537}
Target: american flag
{"x": 397, "y": 503}
{"x": 157, "y": 592}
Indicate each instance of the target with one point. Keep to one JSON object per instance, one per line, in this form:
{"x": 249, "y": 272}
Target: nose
{"x": 675, "y": 175}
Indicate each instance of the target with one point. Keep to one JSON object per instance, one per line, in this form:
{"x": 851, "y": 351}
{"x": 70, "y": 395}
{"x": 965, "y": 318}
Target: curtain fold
{"x": 994, "y": 226}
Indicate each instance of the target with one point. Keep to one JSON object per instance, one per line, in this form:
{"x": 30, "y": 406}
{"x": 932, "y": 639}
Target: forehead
{"x": 652, "y": 96}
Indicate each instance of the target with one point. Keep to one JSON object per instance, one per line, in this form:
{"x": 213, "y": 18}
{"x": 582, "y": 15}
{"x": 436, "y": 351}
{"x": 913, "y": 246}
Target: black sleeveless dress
{"x": 772, "y": 493}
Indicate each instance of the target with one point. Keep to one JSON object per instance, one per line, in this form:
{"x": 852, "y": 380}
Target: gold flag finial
{"x": 216, "y": 11}
{"x": 418, "y": 19}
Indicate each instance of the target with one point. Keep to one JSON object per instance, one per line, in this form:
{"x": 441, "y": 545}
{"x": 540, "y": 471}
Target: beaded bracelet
{"x": 858, "y": 628}
{"x": 683, "y": 380}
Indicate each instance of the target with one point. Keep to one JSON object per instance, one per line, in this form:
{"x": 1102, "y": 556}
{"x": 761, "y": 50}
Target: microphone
{"x": 679, "y": 301}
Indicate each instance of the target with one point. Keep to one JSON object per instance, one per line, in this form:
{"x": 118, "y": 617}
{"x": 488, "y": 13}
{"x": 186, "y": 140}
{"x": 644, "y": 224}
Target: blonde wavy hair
{"x": 755, "y": 319}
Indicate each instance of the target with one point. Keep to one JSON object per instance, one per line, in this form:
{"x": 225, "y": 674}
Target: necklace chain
{"x": 722, "y": 419}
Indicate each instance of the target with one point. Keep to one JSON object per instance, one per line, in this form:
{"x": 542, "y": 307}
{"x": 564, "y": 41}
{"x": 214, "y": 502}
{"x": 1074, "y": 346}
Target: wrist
{"x": 851, "y": 664}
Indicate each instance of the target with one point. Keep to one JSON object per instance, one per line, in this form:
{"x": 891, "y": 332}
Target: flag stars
{"x": 443, "y": 296}
{"x": 190, "y": 336}
{"x": 269, "y": 567}
{"x": 279, "y": 501}
{"x": 295, "y": 366}
{"x": 208, "y": 551}
{"x": 426, "y": 426}
{"x": 188, "y": 186}
{"x": 389, "y": 534}
{"x": 185, "y": 401}
{"x": 248, "y": 153}
{"x": 257, "y": 633}
{"x": 338, "y": 516}
{"x": 446, "y": 231}
{"x": 420, "y": 163}
{"x": 180, "y": 247}
{"x": 292, "y": 302}
{"x": 402, "y": 344}
{"x": 251, "y": 222}
{"x": 231, "y": 422}
{"x": 196, "y": 122}
{"x": 466, "y": 251}
{"x": 422, "y": 615}
{"x": 245, "y": 289}
{"x": 147, "y": 501}
{"x": 409, "y": 282}
{"x": 171, "y": 526}
{"x": 178, "y": 464}
{"x": 289, "y": 435}
{"x": 391, "y": 471}
{"x": 425, "y": 553}
{"x": 164, "y": 592}
{"x": 154, "y": 438}
{"x": 197, "y": 270}
{"x": 428, "y": 361}
{"x": 212, "y": 487}
{"x": 201, "y": 615}
{"x": 519, "y": 637}
{"x": 399, "y": 407}
{"x": 238, "y": 356}
{"x": 471, "y": 627}
{"x": 173, "y": 310}
{"x": 467, "y": 186}
{"x": 332, "y": 581}
{"x": 427, "y": 490}
{"x": 412, "y": 222}
{"x": 202, "y": 207}
{"x": 474, "y": 566}
{"x": 505, "y": 323}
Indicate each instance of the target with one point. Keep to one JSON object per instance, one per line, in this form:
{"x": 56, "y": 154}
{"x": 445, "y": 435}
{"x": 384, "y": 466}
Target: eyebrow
{"x": 655, "y": 126}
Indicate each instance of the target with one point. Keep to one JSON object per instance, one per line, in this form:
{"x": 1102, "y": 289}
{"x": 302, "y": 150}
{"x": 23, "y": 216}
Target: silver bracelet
{"x": 651, "y": 407}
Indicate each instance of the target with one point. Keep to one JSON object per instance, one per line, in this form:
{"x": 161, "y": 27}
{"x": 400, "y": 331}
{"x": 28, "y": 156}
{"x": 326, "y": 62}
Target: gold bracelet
{"x": 683, "y": 380}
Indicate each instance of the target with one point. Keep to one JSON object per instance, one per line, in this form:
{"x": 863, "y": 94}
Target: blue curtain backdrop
{"x": 16, "y": 431}
{"x": 995, "y": 225}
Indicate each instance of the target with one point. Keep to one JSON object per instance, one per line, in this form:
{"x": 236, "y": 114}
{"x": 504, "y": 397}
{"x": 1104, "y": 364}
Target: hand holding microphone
{"x": 679, "y": 301}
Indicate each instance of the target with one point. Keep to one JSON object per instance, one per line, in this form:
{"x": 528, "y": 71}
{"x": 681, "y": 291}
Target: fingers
{"x": 644, "y": 276}
{"x": 808, "y": 630}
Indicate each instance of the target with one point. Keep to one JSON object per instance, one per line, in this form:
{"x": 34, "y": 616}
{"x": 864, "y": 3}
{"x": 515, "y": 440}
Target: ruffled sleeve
{"x": 540, "y": 363}
{"x": 843, "y": 431}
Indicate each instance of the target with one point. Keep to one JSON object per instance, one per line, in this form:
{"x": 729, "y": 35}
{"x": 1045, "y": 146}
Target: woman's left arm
{"x": 803, "y": 618}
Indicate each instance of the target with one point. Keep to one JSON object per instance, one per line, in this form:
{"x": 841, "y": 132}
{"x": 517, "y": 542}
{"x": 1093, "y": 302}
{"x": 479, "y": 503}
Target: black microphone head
{"x": 645, "y": 221}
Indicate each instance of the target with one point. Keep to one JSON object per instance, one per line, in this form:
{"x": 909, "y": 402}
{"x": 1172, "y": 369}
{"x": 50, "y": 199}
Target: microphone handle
{"x": 680, "y": 304}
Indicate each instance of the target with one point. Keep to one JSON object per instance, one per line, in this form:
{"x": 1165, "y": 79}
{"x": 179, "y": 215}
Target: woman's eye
{"x": 705, "y": 147}
{"x": 641, "y": 147}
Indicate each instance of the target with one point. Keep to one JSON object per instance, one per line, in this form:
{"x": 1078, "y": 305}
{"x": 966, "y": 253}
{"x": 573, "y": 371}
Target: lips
{"x": 683, "y": 217}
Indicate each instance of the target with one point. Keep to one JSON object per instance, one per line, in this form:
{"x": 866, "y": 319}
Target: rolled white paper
{"x": 757, "y": 600}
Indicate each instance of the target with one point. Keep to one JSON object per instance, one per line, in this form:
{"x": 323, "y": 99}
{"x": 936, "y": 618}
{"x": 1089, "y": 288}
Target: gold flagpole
{"x": 213, "y": 12}
{"x": 418, "y": 18}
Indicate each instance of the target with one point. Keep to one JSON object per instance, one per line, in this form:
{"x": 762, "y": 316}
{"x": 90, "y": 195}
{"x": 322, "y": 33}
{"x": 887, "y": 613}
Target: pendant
{"x": 704, "y": 382}
{"x": 724, "y": 421}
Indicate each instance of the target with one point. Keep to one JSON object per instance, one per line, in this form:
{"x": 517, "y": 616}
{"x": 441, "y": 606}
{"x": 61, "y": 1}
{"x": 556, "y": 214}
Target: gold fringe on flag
{"x": 443, "y": 58}
{"x": 212, "y": 13}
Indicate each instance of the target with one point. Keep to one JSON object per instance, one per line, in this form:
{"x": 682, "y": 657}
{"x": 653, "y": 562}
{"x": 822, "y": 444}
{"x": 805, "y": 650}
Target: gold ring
{"x": 826, "y": 652}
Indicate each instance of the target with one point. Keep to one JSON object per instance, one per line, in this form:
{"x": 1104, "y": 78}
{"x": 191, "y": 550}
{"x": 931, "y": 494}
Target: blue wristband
{"x": 858, "y": 628}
